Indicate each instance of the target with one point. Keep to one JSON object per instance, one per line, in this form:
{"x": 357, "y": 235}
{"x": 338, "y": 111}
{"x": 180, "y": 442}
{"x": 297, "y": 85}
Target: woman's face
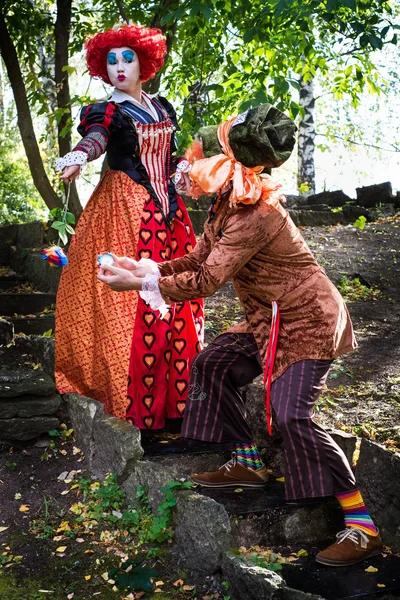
{"x": 123, "y": 68}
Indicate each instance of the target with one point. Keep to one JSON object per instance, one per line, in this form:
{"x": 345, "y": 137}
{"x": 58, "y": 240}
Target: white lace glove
{"x": 150, "y": 292}
{"x": 72, "y": 158}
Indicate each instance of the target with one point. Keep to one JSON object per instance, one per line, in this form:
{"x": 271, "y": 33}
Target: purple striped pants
{"x": 215, "y": 412}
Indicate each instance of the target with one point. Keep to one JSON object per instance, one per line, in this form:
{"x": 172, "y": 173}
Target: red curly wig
{"x": 149, "y": 45}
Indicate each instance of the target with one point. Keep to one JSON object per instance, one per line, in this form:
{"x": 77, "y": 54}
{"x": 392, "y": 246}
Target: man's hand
{"x": 139, "y": 268}
{"x": 120, "y": 280}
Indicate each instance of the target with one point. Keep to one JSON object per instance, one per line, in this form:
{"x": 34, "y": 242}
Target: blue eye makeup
{"x": 112, "y": 58}
{"x": 128, "y": 55}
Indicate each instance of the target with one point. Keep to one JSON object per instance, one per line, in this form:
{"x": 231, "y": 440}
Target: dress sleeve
{"x": 97, "y": 123}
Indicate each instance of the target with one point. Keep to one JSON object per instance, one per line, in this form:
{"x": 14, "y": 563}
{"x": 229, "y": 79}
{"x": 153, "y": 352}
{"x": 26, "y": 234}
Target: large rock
{"x": 30, "y": 265}
{"x": 315, "y": 218}
{"x": 248, "y": 582}
{"x": 371, "y": 195}
{"x": 26, "y": 429}
{"x": 40, "y": 348}
{"x": 30, "y": 235}
{"x": 22, "y": 382}
{"x": 29, "y": 406}
{"x": 6, "y": 332}
{"x": 333, "y": 199}
{"x": 255, "y": 412}
{"x": 292, "y": 201}
{"x": 288, "y": 524}
{"x": 82, "y": 413}
{"x": 116, "y": 447}
{"x": 153, "y": 477}
{"x": 351, "y": 213}
{"x": 378, "y": 475}
{"x": 202, "y": 533}
{"x": 345, "y": 441}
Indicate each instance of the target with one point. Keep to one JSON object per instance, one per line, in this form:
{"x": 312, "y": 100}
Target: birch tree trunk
{"x": 306, "y": 147}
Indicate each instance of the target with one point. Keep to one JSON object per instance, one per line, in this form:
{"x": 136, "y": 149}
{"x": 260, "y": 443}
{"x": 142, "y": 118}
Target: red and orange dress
{"x": 114, "y": 347}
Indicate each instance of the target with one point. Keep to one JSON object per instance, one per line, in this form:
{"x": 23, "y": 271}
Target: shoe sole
{"x": 335, "y": 563}
{"x": 233, "y": 484}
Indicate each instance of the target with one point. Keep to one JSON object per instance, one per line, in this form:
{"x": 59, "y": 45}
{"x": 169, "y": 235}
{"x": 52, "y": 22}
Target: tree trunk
{"x": 62, "y": 33}
{"x": 25, "y": 123}
{"x": 306, "y": 147}
{"x": 153, "y": 86}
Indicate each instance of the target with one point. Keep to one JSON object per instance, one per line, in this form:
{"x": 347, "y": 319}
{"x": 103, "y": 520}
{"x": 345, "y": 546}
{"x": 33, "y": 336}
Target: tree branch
{"x": 349, "y": 141}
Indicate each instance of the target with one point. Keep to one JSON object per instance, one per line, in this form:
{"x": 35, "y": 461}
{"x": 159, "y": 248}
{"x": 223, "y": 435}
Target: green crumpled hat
{"x": 261, "y": 136}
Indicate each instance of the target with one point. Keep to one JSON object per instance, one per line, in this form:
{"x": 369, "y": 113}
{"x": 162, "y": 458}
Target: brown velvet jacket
{"x": 260, "y": 249}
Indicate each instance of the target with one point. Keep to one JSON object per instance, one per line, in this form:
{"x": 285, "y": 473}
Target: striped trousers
{"x": 315, "y": 466}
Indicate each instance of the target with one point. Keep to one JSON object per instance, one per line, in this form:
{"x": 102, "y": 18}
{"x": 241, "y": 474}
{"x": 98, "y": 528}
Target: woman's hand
{"x": 120, "y": 280}
{"x": 145, "y": 266}
{"x": 70, "y": 173}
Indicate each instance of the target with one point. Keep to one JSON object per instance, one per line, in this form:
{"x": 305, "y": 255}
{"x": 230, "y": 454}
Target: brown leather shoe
{"x": 232, "y": 474}
{"x": 352, "y": 546}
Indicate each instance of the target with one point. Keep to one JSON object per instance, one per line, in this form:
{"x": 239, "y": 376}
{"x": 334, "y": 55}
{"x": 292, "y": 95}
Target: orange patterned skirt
{"x": 94, "y": 325}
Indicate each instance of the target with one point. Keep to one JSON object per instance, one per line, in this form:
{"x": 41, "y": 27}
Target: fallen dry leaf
{"x": 302, "y": 552}
{"x": 61, "y": 549}
{"x": 87, "y": 577}
{"x": 158, "y": 583}
{"x": 24, "y": 508}
{"x": 280, "y": 479}
{"x": 371, "y": 569}
{"x": 3, "y": 529}
{"x": 178, "y": 582}
{"x": 380, "y": 585}
{"x": 188, "y": 588}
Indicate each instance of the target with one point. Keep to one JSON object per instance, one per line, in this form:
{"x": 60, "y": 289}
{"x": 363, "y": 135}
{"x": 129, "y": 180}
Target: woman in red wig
{"x": 115, "y": 347}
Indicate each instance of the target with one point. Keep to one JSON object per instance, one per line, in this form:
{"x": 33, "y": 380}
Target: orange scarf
{"x": 209, "y": 175}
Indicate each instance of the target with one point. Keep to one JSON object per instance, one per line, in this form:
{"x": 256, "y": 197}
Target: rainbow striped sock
{"x": 248, "y": 456}
{"x": 355, "y": 512}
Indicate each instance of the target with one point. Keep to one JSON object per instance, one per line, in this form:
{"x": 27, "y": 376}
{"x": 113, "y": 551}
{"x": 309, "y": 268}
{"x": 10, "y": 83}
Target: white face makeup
{"x": 123, "y": 69}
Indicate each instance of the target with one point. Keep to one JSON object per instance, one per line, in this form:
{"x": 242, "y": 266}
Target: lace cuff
{"x": 150, "y": 293}
{"x": 72, "y": 158}
{"x": 183, "y": 166}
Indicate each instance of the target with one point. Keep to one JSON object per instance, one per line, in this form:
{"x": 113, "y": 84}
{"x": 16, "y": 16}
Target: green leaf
{"x": 349, "y": 3}
{"x": 375, "y": 41}
{"x": 59, "y": 225}
{"x": 69, "y": 229}
{"x": 70, "y": 218}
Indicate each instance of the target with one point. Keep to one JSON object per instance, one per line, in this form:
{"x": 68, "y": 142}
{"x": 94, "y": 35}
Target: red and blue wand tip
{"x": 55, "y": 256}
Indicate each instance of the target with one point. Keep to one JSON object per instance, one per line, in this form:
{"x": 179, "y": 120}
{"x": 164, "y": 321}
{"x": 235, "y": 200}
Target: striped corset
{"x": 155, "y": 142}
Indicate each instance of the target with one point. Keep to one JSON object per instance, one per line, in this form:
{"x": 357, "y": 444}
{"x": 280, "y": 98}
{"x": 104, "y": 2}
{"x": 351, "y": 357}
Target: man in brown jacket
{"x": 296, "y": 324}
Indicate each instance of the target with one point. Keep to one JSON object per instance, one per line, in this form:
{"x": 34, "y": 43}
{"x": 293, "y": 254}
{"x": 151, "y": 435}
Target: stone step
{"x": 25, "y": 304}
{"x": 10, "y": 281}
{"x": 318, "y": 581}
{"x": 350, "y": 582}
{"x": 33, "y": 326}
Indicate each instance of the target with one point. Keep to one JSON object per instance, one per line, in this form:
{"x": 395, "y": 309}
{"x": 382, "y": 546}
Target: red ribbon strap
{"x": 269, "y": 364}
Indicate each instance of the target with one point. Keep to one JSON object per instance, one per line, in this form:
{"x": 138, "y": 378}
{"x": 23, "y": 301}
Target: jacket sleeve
{"x": 244, "y": 234}
{"x": 190, "y": 262}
